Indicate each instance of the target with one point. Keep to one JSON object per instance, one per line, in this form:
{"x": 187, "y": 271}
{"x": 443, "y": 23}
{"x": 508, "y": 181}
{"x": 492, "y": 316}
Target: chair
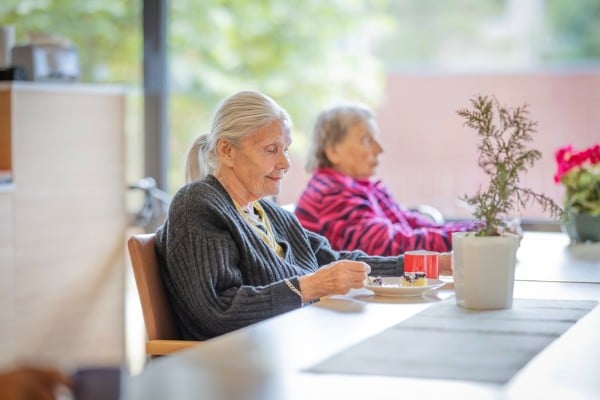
{"x": 429, "y": 212}
{"x": 158, "y": 316}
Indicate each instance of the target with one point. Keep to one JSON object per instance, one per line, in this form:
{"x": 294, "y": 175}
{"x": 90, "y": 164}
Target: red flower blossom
{"x": 568, "y": 159}
{"x": 579, "y": 173}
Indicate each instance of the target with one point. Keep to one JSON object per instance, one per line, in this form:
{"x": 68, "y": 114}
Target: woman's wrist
{"x": 294, "y": 289}
{"x": 307, "y": 288}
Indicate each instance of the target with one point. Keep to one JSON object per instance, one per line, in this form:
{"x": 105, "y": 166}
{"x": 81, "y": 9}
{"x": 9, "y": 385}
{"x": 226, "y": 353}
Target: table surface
{"x": 269, "y": 360}
{"x": 549, "y": 257}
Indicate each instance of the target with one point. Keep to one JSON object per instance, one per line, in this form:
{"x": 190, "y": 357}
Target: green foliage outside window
{"x": 573, "y": 29}
{"x": 106, "y": 33}
{"x": 306, "y": 54}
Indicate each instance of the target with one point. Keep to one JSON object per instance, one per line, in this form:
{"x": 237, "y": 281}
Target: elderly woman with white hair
{"x": 230, "y": 257}
{"x": 346, "y": 203}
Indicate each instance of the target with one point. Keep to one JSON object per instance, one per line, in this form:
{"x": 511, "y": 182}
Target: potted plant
{"x": 484, "y": 260}
{"x": 579, "y": 173}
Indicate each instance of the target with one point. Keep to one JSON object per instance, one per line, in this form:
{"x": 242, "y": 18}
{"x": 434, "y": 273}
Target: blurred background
{"x": 416, "y": 62}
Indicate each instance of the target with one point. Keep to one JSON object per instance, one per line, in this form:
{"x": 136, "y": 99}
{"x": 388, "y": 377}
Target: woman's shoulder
{"x": 200, "y": 191}
{"x": 380, "y": 186}
{"x": 200, "y": 199}
{"x": 200, "y": 206}
{"x": 329, "y": 181}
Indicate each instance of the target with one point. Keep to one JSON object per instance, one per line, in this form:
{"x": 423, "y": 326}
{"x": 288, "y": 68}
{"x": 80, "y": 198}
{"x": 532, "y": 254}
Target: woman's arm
{"x": 361, "y": 223}
{"x": 380, "y": 265}
{"x": 219, "y": 274}
{"x": 208, "y": 292}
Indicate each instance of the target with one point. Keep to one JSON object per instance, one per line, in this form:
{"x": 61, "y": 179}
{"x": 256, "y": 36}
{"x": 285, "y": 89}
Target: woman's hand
{"x": 335, "y": 278}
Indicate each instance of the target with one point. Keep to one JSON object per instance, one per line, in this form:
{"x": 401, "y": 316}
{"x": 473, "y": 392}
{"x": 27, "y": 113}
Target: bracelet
{"x": 293, "y": 288}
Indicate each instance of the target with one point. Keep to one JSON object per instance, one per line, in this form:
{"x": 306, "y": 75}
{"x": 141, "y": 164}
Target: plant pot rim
{"x": 472, "y": 235}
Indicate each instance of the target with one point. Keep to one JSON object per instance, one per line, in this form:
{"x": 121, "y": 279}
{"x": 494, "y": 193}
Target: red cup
{"x": 423, "y": 261}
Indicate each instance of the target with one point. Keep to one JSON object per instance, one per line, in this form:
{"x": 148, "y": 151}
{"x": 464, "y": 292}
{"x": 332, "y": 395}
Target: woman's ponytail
{"x": 197, "y": 163}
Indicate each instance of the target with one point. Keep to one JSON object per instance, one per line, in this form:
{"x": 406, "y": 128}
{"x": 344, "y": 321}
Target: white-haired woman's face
{"x": 357, "y": 154}
{"x": 258, "y": 163}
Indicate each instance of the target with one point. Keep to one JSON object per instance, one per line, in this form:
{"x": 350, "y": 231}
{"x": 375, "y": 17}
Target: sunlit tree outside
{"x": 106, "y": 32}
{"x": 573, "y": 31}
{"x": 306, "y": 54}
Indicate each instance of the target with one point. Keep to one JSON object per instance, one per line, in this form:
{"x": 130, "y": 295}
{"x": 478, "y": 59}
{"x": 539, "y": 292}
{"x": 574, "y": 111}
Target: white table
{"x": 549, "y": 257}
{"x": 268, "y": 360}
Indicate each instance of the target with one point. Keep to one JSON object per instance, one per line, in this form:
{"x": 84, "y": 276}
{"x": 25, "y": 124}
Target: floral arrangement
{"x": 579, "y": 172}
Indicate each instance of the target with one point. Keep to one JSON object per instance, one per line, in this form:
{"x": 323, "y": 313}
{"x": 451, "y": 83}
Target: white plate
{"x": 391, "y": 287}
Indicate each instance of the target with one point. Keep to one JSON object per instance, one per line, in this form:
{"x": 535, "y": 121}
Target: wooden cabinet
{"x": 63, "y": 222}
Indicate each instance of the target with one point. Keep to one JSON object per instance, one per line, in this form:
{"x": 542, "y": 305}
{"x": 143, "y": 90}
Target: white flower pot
{"x": 484, "y": 270}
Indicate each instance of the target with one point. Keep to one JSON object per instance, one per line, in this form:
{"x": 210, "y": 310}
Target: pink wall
{"x": 431, "y": 158}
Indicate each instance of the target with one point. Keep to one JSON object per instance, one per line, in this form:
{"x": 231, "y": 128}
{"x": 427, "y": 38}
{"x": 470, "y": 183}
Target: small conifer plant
{"x": 504, "y": 135}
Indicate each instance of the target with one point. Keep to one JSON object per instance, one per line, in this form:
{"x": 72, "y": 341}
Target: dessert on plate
{"x": 374, "y": 280}
{"x": 414, "y": 279}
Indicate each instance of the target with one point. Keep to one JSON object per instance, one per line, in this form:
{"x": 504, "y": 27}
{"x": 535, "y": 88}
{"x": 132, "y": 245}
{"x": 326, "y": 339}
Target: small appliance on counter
{"x": 47, "y": 58}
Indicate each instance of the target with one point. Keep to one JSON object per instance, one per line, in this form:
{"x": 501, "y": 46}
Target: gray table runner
{"x": 448, "y": 342}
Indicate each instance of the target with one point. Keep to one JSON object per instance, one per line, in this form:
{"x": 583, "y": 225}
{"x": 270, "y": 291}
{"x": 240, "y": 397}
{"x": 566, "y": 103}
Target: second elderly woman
{"x": 343, "y": 200}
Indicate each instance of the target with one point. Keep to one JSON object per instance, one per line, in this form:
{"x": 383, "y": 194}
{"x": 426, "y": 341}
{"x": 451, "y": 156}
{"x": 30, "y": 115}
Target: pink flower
{"x": 579, "y": 173}
{"x": 567, "y": 159}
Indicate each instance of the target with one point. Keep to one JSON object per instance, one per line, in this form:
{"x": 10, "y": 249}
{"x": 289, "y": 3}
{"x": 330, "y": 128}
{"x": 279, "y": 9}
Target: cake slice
{"x": 374, "y": 281}
{"x": 414, "y": 279}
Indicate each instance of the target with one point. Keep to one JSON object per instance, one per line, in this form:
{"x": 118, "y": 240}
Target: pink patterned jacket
{"x": 361, "y": 214}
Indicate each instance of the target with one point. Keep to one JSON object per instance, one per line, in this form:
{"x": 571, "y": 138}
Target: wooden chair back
{"x": 163, "y": 337}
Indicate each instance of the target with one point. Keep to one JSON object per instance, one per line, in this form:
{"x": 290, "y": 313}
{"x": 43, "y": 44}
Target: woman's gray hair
{"x": 331, "y": 127}
{"x": 235, "y": 118}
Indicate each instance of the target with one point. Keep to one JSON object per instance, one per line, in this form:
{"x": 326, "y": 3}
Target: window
{"x": 414, "y": 61}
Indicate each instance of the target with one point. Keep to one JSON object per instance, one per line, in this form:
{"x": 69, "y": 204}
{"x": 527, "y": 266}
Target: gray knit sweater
{"x": 221, "y": 276}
